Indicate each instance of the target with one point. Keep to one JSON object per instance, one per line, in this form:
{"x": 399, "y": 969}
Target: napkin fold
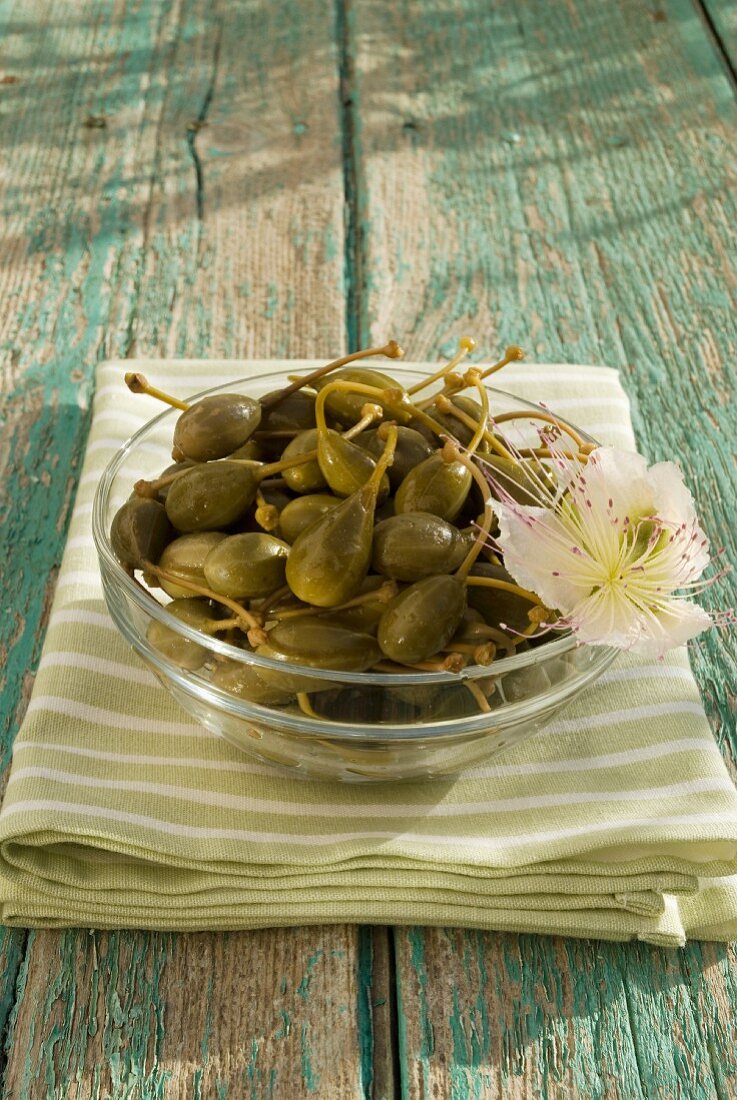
{"x": 618, "y": 821}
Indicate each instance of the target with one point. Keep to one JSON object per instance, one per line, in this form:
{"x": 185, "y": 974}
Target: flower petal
{"x": 541, "y": 555}
{"x": 671, "y": 497}
{"x": 606, "y": 617}
{"x": 676, "y": 624}
{"x": 612, "y": 551}
{"x": 620, "y": 477}
{"x": 674, "y": 502}
{"x": 610, "y": 619}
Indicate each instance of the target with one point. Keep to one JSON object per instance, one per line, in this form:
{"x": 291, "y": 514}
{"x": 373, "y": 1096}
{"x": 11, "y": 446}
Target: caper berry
{"x": 310, "y": 641}
{"x": 247, "y": 566}
{"x": 496, "y": 605}
{"x": 228, "y": 525}
{"x": 140, "y": 531}
{"x": 215, "y": 426}
{"x": 412, "y": 448}
{"x": 211, "y": 496}
{"x": 434, "y": 486}
{"x": 301, "y": 512}
{"x": 175, "y": 647}
{"x": 414, "y": 545}
{"x": 421, "y": 620}
{"x": 246, "y": 682}
{"x": 307, "y": 477}
{"x": 185, "y": 556}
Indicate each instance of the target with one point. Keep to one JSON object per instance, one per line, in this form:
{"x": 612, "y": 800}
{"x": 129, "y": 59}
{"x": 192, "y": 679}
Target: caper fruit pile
{"x": 340, "y": 523}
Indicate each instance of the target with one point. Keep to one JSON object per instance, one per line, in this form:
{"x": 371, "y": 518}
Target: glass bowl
{"x": 383, "y": 726}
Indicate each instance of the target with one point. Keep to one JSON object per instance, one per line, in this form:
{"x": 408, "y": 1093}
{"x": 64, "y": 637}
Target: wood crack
{"x": 197, "y": 123}
{"x": 717, "y": 42}
{"x": 128, "y": 349}
{"x": 155, "y": 174}
{"x": 13, "y": 984}
{"x": 377, "y": 1014}
{"x": 356, "y": 334}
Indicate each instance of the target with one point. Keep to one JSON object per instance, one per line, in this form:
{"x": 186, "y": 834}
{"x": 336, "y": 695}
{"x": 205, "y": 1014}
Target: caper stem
{"x": 449, "y": 663}
{"x": 273, "y": 600}
{"x": 504, "y": 586}
{"x": 483, "y": 630}
{"x": 545, "y": 452}
{"x": 273, "y": 483}
{"x": 284, "y": 464}
{"x": 241, "y": 613}
{"x": 340, "y": 386}
{"x": 482, "y": 653}
{"x": 549, "y": 418}
{"x": 306, "y": 706}
{"x": 511, "y": 354}
{"x": 485, "y": 654}
{"x": 214, "y": 626}
{"x": 451, "y": 453}
{"x": 372, "y": 486}
{"x": 539, "y": 616}
{"x": 392, "y": 350}
{"x": 266, "y": 515}
{"x": 390, "y": 666}
{"x": 145, "y": 488}
{"x": 396, "y": 401}
{"x": 475, "y": 379}
{"x": 280, "y": 433}
{"x": 445, "y": 405}
{"x": 465, "y": 344}
{"x": 379, "y": 595}
{"x": 138, "y": 383}
{"x": 490, "y": 555}
{"x": 369, "y": 414}
{"x": 452, "y": 662}
{"x": 429, "y": 422}
{"x": 452, "y": 383}
{"x": 478, "y": 695}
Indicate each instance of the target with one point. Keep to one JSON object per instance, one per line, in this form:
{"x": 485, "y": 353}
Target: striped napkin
{"x": 618, "y": 821}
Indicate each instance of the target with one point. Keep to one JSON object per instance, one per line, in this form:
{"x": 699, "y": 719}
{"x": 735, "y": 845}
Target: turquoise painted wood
{"x": 722, "y": 15}
{"x": 168, "y": 166}
{"x": 194, "y": 177}
{"x": 562, "y": 176}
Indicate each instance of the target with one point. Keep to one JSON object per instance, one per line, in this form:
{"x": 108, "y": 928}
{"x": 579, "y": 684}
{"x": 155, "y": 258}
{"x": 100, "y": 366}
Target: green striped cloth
{"x": 619, "y": 821}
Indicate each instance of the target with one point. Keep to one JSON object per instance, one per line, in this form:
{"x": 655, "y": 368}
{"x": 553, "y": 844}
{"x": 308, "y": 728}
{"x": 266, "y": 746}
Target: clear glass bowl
{"x": 384, "y": 726}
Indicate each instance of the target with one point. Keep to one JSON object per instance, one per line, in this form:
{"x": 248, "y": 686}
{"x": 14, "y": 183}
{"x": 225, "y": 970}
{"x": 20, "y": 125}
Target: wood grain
{"x": 172, "y": 184}
{"x": 532, "y": 1016}
{"x": 201, "y": 1015}
{"x": 562, "y": 176}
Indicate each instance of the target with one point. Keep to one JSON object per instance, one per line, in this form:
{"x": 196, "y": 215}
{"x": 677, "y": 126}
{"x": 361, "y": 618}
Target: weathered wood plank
{"x": 377, "y": 998}
{"x": 723, "y": 16}
{"x": 562, "y": 176}
{"x": 172, "y": 184}
{"x": 243, "y": 235}
{"x": 201, "y": 1015}
{"x": 60, "y": 258}
{"x": 530, "y": 1016}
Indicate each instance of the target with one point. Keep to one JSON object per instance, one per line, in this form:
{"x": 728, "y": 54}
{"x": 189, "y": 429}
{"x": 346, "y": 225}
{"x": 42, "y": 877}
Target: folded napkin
{"x": 618, "y": 821}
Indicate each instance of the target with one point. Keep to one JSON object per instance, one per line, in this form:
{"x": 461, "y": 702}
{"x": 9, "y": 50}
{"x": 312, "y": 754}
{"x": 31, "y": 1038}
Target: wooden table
{"x": 292, "y": 178}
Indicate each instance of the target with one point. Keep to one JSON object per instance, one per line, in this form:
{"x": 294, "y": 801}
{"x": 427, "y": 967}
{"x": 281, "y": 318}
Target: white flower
{"x": 616, "y": 550}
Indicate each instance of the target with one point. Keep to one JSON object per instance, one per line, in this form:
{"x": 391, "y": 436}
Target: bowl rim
{"x": 150, "y": 606}
{"x": 508, "y": 714}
